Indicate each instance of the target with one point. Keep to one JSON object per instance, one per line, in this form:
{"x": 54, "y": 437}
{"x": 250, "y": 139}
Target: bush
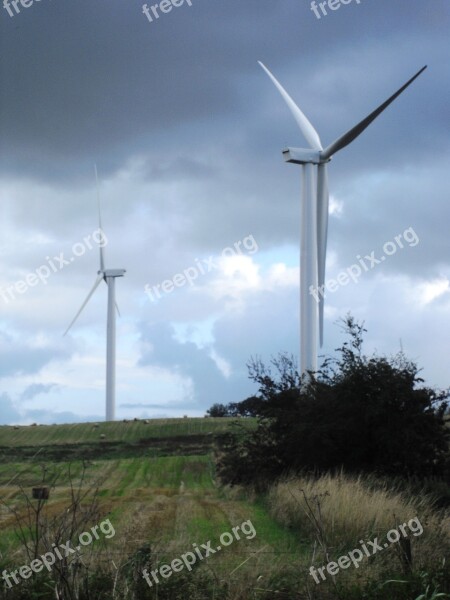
{"x": 365, "y": 414}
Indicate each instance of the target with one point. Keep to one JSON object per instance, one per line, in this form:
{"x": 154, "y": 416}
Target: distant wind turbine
{"x": 314, "y": 217}
{"x": 109, "y": 277}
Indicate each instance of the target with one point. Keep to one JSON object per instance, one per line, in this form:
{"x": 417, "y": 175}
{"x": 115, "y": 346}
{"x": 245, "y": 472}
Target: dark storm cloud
{"x": 93, "y": 82}
{"x": 179, "y": 168}
{"x": 87, "y": 80}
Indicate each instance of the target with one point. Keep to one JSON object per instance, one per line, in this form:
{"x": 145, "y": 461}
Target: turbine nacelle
{"x": 303, "y": 156}
{"x": 113, "y": 272}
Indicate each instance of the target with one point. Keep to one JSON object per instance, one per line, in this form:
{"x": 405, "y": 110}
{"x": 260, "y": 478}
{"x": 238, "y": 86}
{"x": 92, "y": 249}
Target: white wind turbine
{"x": 314, "y": 217}
{"x": 109, "y": 277}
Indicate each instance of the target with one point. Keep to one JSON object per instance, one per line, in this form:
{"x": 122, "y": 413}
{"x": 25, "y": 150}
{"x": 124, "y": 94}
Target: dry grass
{"x": 350, "y": 509}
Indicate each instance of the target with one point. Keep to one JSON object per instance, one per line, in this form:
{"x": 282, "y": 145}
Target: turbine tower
{"x": 109, "y": 277}
{"x": 314, "y": 218}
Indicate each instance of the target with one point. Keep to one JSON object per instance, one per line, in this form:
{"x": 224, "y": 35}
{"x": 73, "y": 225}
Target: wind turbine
{"x": 314, "y": 217}
{"x": 109, "y": 277}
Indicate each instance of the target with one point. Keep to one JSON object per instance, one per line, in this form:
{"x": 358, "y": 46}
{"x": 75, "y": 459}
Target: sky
{"x": 187, "y": 132}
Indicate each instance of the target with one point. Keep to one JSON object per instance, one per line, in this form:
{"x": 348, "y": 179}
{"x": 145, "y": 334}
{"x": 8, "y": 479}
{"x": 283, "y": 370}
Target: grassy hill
{"x": 112, "y": 439}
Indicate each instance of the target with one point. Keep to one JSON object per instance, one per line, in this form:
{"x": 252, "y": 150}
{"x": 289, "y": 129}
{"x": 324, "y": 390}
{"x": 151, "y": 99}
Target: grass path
{"x": 169, "y": 503}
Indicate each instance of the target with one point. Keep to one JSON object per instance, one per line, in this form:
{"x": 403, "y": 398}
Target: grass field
{"x": 155, "y": 482}
{"x": 168, "y": 500}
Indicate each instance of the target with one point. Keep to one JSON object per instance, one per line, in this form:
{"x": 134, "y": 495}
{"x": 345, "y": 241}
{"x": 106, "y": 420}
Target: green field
{"x": 155, "y": 483}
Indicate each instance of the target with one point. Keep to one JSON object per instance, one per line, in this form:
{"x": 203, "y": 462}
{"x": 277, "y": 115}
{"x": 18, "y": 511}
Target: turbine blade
{"x": 117, "y": 308}
{"x": 96, "y": 284}
{"x": 102, "y": 256}
{"x": 322, "y": 234}
{"x": 348, "y": 137}
{"x": 309, "y": 133}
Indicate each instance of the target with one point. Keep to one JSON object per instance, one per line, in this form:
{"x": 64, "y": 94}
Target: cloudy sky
{"x": 187, "y": 133}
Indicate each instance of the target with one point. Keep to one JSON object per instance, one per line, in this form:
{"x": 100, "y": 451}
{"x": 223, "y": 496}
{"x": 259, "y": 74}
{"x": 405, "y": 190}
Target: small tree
{"x": 218, "y": 410}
